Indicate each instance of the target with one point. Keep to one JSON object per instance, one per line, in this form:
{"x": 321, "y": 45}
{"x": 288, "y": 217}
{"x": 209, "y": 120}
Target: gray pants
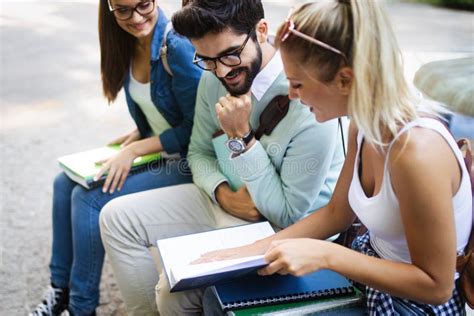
{"x": 133, "y": 223}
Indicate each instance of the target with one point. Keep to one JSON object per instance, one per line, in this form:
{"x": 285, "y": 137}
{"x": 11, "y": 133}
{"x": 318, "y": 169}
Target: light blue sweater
{"x": 289, "y": 174}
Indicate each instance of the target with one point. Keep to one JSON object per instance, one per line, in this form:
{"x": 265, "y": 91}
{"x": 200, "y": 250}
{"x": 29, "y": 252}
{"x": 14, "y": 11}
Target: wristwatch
{"x": 237, "y": 145}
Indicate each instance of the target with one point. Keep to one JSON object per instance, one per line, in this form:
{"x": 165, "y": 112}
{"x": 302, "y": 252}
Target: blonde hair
{"x": 380, "y": 99}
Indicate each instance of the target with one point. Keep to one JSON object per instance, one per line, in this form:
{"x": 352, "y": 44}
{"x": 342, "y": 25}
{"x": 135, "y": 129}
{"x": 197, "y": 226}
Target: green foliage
{"x": 456, "y": 4}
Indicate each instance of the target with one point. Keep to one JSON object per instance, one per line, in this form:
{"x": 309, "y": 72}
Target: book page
{"x": 181, "y": 251}
{"x": 195, "y": 270}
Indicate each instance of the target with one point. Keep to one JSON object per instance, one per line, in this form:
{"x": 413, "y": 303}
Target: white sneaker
{"x": 55, "y": 302}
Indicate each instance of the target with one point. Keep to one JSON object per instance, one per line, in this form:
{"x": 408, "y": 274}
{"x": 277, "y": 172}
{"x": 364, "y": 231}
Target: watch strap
{"x": 248, "y": 137}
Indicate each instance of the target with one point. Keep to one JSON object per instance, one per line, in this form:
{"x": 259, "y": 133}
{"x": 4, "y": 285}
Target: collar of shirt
{"x": 267, "y": 76}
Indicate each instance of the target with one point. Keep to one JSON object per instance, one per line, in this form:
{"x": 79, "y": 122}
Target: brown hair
{"x": 116, "y": 52}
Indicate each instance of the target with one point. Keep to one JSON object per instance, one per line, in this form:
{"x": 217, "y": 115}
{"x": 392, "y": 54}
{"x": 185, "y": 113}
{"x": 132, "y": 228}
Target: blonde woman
{"x": 404, "y": 176}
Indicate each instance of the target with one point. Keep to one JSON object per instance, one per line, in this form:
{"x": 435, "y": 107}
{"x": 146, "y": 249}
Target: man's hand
{"x": 233, "y": 114}
{"x": 238, "y": 204}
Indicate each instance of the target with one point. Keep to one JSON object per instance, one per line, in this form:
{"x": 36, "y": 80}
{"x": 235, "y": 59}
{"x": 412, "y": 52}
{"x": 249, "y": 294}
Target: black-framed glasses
{"x": 230, "y": 60}
{"x": 143, "y": 8}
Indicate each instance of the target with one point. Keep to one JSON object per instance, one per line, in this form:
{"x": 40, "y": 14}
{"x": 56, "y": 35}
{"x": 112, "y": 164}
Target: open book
{"x": 177, "y": 254}
{"x": 81, "y": 167}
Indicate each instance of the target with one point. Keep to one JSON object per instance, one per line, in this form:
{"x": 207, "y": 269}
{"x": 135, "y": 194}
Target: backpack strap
{"x": 273, "y": 113}
{"x": 466, "y": 150}
{"x": 164, "y": 49}
{"x": 465, "y": 146}
{"x": 465, "y": 261}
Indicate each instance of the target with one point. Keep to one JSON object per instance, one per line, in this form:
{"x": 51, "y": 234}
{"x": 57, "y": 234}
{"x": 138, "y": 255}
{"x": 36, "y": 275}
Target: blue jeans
{"x": 77, "y": 251}
{"x": 405, "y": 309}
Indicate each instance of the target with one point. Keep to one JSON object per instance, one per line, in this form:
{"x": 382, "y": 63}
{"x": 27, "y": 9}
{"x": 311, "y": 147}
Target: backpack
{"x": 465, "y": 261}
{"x": 164, "y": 49}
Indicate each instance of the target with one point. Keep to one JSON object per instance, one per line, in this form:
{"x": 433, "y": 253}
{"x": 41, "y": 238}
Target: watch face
{"x": 235, "y": 145}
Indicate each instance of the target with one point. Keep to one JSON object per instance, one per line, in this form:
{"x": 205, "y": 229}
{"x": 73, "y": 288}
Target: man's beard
{"x": 249, "y": 75}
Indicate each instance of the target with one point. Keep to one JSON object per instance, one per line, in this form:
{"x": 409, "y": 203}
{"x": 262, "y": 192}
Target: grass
{"x": 454, "y": 4}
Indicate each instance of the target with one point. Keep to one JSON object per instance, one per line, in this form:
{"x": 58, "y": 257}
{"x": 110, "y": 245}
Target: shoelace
{"x": 49, "y": 300}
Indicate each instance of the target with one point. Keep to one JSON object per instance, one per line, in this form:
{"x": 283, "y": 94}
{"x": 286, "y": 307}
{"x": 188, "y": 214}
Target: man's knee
{"x": 109, "y": 217}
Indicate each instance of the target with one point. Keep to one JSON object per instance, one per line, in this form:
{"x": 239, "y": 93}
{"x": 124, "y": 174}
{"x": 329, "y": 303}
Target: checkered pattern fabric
{"x": 379, "y": 303}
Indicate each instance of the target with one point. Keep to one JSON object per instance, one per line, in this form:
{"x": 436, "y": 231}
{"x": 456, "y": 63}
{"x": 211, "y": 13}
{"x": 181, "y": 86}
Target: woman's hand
{"x": 249, "y": 250}
{"x": 126, "y": 139}
{"x": 296, "y": 256}
{"x": 118, "y": 168}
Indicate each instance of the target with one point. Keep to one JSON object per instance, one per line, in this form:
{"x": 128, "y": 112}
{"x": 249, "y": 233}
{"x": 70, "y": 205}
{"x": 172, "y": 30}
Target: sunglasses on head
{"x": 289, "y": 28}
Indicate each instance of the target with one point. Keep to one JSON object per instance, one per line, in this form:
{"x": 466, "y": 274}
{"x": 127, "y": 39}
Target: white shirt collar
{"x": 267, "y": 76}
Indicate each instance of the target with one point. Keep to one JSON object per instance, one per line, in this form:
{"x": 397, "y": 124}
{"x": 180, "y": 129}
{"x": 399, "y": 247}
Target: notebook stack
{"x": 260, "y": 295}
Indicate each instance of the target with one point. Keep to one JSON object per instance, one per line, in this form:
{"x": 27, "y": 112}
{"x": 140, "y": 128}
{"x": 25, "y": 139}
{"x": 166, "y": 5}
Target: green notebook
{"x": 81, "y": 167}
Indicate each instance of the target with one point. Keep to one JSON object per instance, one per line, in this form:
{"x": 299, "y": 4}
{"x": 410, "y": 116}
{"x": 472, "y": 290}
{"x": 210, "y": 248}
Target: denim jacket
{"x": 174, "y": 96}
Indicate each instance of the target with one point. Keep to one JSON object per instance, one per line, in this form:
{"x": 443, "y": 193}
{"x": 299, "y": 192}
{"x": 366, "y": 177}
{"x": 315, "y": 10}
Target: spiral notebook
{"x": 255, "y": 290}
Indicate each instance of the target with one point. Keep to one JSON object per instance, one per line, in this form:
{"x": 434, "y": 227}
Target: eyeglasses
{"x": 289, "y": 28}
{"x": 230, "y": 60}
{"x": 124, "y": 13}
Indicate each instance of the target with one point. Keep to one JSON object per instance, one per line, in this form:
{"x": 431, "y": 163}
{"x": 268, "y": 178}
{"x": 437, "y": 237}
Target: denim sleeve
{"x": 184, "y": 85}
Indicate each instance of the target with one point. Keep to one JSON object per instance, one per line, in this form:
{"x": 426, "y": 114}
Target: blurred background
{"x": 51, "y": 104}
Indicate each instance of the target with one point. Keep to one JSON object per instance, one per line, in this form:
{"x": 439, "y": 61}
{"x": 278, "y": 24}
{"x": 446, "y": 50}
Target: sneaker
{"x": 55, "y": 302}
{"x": 67, "y": 312}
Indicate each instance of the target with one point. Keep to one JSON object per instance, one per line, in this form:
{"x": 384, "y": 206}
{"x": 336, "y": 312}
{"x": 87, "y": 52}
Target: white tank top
{"x": 140, "y": 93}
{"x": 381, "y": 213}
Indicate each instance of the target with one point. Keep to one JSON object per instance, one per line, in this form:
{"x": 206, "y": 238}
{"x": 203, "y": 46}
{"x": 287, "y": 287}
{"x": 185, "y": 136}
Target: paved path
{"x": 51, "y": 104}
